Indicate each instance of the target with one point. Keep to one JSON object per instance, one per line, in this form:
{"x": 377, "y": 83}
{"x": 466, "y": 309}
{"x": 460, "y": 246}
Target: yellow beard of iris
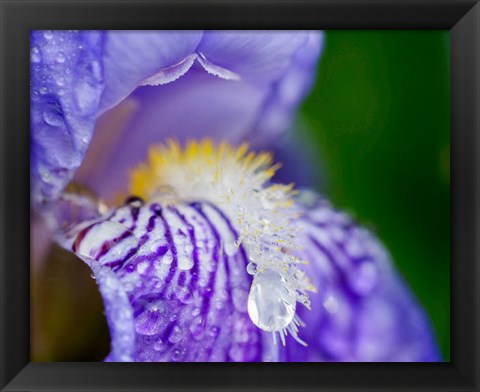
{"x": 220, "y": 169}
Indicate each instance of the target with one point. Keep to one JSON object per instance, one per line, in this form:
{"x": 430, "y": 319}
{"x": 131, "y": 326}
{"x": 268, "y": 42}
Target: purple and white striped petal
{"x": 174, "y": 290}
{"x": 363, "y": 311}
{"x": 186, "y": 295}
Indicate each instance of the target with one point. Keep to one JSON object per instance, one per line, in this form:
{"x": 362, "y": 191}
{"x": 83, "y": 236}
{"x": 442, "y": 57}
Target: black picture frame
{"x": 18, "y": 17}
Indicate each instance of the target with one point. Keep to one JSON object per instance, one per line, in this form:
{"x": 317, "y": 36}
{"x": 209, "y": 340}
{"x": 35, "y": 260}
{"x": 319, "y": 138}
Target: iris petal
{"x": 118, "y": 312}
{"x": 363, "y": 310}
{"x": 202, "y": 105}
{"x": 195, "y": 106}
{"x": 259, "y": 57}
{"x": 294, "y": 84}
{"x": 186, "y": 295}
{"x": 76, "y": 76}
{"x": 66, "y": 84}
{"x": 167, "y": 272}
{"x": 131, "y": 57}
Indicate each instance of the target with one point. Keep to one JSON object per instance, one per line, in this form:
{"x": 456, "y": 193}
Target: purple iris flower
{"x": 208, "y": 258}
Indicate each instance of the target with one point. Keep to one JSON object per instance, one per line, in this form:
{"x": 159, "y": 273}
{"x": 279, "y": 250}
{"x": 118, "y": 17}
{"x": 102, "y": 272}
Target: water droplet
{"x": 196, "y": 312}
{"x": 35, "y": 55}
{"x": 151, "y": 320}
{"x": 197, "y": 329}
{"x": 60, "y": 81}
{"x": 236, "y": 353}
{"x": 60, "y": 57}
{"x": 142, "y": 267}
{"x": 53, "y": 117}
{"x": 159, "y": 345}
{"x": 45, "y": 174}
{"x": 178, "y": 354}
{"x": 48, "y": 34}
{"x": 43, "y": 90}
{"x": 251, "y": 268}
{"x": 176, "y": 335}
{"x": 35, "y": 95}
{"x": 271, "y": 303}
{"x": 213, "y": 332}
{"x": 230, "y": 248}
{"x": 185, "y": 263}
{"x": 61, "y": 92}
{"x": 167, "y": 258}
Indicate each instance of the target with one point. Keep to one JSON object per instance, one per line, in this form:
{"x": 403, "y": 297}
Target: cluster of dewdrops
{"x": 238, "y": 181}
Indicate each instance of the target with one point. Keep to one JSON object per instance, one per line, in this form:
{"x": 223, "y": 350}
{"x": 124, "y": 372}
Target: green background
{"x": 379, "y": 116}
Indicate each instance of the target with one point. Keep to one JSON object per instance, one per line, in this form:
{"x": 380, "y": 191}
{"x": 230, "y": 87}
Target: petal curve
{"x": 259, "y": 57}
{"x": 132, "y": 57}
{"x": 363, "y": 311}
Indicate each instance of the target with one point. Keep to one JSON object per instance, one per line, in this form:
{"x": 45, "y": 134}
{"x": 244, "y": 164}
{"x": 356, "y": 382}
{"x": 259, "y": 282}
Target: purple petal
{"x": 260, "y": 57}
{"x": 287, "y": 93}
{"x": 197, "y": 105}
{"x": 164, "y": 271}
{"x": 118, "y": 311}
{"x": 66, "y": 84}
{"x": 363, "y": 311}
{"x": 202, "y": 105}
{"x": 133, "y": 58}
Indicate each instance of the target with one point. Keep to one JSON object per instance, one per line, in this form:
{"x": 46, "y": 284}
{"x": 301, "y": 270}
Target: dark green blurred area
{"x": 380, "y": 116}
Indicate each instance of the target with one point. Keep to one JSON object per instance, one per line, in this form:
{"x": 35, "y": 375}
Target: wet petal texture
{"x": 363, "y": 311}
{"x": 66, "y": 84}
{"x": 164, "y": 271}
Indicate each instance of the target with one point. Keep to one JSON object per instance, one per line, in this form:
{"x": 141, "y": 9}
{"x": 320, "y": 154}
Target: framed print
{"x": 287, "y": 185}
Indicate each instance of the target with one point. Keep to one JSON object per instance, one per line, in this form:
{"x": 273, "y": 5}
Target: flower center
{"x": 238, "y": 182}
